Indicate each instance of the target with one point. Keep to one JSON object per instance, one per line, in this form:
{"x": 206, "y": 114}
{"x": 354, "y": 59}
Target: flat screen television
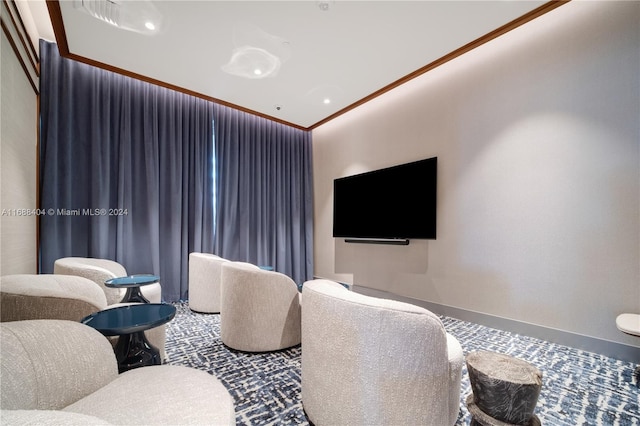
{"x": 393, "y": 203}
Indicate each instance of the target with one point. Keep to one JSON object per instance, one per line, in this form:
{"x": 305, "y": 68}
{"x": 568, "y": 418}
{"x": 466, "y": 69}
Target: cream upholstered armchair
{"x": 57, "y": 372}
{"x": 63, "y": 297}
{"x": 48, "y": 296}
{"x": 101, "y": 270}
{"x": 370, "y": 361}
{"x": 205, "y": 270}
{"x": 260, "y": 310}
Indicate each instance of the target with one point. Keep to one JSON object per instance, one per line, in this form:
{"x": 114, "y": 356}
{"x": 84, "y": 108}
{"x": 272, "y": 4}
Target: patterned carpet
{"x": 579, "y": 388}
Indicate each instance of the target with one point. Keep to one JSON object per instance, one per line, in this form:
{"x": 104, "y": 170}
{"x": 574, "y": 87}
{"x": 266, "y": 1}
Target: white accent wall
{"x": 537, "y": 135}
{"x": 18, "y": 138}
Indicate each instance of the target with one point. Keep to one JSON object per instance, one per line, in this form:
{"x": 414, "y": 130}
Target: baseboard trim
{"x": 590, "y": 344}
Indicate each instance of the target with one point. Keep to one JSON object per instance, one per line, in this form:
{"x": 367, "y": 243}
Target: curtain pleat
{"x": 265, "y": 193}
{"x": 110, "y": 143}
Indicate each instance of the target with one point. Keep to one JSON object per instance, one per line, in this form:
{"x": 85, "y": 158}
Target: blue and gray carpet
{"x": 579, "y": 388}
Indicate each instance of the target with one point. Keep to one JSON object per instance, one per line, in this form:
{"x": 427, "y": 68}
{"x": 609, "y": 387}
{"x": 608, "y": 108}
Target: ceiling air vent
{"x": 140, "y": 16}
{"x": 105, "y": 10}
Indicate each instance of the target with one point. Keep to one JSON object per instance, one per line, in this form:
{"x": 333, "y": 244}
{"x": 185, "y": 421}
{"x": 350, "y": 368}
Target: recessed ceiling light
{"x": 252, "y": 62}
{"x": 325, "y": 94}
{"x": 150, "y": 25}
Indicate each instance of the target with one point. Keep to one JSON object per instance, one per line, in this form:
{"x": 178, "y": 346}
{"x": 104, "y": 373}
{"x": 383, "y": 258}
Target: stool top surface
{"x": 504, "y": 367}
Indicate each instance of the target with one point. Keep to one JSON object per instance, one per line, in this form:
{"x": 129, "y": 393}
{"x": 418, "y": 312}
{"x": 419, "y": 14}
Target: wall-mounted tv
{"x": 393, "y": 203}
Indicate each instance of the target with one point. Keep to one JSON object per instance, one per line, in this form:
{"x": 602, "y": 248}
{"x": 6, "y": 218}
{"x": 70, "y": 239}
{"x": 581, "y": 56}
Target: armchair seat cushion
{"x": 159, "y": 395}
{"x": 64, "y": 372}
{"x": 49, "y": 418}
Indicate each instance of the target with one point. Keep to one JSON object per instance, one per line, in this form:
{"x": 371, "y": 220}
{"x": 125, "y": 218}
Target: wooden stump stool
{"x": 505, "y": 390}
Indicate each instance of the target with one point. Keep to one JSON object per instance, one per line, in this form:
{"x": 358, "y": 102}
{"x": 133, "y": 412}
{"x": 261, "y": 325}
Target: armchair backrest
{"x": 260, "y": 309}
{"x": 252, "y": 278}
{"x": 97, "y": 270}
{"x": 205, "y": 271}
{"x": 49, "y": 364}
{"x": 367, "y": 360}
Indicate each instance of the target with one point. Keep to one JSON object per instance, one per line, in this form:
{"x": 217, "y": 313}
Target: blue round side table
{"x": 132, "y": 283}
{"x": 129, "y": 322}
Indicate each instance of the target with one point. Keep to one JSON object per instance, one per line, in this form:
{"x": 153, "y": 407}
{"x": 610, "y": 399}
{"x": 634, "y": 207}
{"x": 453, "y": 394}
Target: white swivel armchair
{"x": 101, "y": 270}
{"x": 205, "y": 270}
{"x": 57, "y": 372}
{"x": 260, "y": 310}
{"x": 370, "y": 361}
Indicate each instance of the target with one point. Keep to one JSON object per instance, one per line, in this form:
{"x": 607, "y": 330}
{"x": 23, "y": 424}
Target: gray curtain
{"x": 127, "y": 173}
{"x": 264, "y": 193}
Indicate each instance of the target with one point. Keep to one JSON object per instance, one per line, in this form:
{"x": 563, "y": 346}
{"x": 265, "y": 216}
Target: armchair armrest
{"x": 48, "y": 296}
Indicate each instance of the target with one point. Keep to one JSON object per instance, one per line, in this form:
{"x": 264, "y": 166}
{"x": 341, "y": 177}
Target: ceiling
{"x": 326, "y": 56}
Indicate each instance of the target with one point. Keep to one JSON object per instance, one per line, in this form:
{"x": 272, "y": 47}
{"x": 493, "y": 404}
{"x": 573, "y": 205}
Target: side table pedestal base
{"x": 134, "y": 350}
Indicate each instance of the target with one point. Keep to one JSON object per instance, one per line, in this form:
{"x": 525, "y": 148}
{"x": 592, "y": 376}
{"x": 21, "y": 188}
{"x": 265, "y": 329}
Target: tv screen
{"x": 397, "y": 202}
